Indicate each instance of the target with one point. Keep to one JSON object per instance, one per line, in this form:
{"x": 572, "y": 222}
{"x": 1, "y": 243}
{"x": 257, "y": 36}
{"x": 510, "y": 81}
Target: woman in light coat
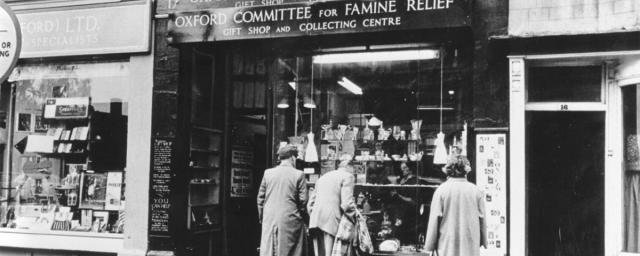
{"x": 457, "y": 219}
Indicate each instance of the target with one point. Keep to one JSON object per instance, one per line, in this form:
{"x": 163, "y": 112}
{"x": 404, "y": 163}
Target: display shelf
{"x": 62, "y": 240}
{"x": 204, "y": 150}
{"x": 65, "y": 154}
{"x": 206, "y": 230}
{"x": 202, "y": 204}
{"x": 382, "y": 161}
{"x": 203, "y": 183}
{"x": 400, "y": 254}
{"x": 396, "y": 186}
{"x": 203, "y": 168}
{"x": 201, "y": 128}
{"x": 397, "y": 141}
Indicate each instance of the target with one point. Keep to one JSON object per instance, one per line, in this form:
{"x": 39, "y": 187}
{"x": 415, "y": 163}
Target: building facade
{"x": 573, "y": 75}
{"x": 75, "y": 165}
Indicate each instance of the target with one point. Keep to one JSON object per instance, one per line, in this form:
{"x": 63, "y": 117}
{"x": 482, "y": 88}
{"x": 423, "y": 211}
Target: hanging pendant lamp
{"x": 311, "y": 152}
{"x": 284, "y": 103}
{"x": 440, "y": 155}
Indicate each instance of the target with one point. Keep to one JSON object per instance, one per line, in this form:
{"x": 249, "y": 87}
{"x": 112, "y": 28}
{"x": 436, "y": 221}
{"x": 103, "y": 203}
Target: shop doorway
{"x": 565, "y": 182}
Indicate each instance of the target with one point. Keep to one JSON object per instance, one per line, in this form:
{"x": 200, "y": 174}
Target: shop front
{"x": 73, "y": 134}
{"x": 389, "y": 83}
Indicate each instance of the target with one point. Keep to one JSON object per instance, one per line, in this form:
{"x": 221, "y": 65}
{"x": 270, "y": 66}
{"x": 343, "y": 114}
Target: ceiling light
{"x": 284, "y": 103}
{"x": 347, "y": 84}
{"x": 424, "y": 54}
{"x": 452, "y": 92}
{"x": 308, "y": 102}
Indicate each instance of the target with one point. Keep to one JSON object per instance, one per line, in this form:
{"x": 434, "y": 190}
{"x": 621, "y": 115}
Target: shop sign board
{"x": 104, "y": 30}
{"x": 10, "y": 40}
{"x": 491, "y": 178}
{"x": 316, "y": 18}
{"x": 172, "y": 6}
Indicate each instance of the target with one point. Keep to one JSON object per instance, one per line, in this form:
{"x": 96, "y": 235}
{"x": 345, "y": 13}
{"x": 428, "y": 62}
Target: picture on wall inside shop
{"x": 24, "y": 122}
{"x": 40, "y": 126}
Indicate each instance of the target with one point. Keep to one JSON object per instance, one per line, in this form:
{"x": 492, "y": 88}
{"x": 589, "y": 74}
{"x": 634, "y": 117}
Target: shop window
{"x": 632, "y": 169}
{"x": 565, "y": 84}
{"x": 385, "y": 109}
{"x": 65, "y": 151}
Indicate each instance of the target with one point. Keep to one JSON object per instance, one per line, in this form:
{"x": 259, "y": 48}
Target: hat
{"x": 287, "y": 151}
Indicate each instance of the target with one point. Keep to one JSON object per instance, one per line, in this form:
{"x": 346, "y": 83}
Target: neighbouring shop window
{"x": 384, "y": 108}
{"x": 632, "y": 169}
{"x": 64, "y": 161}
{"x": 565, "y": 84}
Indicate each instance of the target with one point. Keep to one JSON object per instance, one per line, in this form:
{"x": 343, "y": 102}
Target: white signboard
{"x": 491, "y": 169}
{"x": 10, "y": 40}
{"x": 86, "y": 31}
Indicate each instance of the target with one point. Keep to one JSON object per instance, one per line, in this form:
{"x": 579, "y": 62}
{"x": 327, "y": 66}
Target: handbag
{"x": 346, "y": 229}
{"x": 364, "y": 238}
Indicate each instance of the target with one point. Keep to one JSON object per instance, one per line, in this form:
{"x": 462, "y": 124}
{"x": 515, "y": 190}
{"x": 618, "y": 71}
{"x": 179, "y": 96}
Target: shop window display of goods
{"x": 68, "y": 156}
{"x": 398, "y": 114}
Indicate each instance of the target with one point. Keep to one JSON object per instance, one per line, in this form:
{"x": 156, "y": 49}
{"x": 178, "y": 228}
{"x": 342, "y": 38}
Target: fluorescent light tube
{"x": 347, "y": 84}
{"x": 424, "y": 54}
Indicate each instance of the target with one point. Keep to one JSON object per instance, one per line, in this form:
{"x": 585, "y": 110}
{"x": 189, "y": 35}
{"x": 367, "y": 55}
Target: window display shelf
{"x": 206, "y": 230}
{"x": 204, "y": 150}
{"x": 400, "y": 254}
{"x": 383, "y": 161}
{"x": 396, "y": 186}
{"x": 203, "y": 168}
{"x": 65, "y": 154}
{"x": 360, "y": 140}
{"x": 202, "y": 183}
{"x": 61, "y": 240}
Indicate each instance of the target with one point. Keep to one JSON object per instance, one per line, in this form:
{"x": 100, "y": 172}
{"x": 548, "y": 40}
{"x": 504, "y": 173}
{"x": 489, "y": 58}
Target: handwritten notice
{"x": 491, "y": 177}
{"x": 241, "y": 182}
{"x": 160, "y": 186}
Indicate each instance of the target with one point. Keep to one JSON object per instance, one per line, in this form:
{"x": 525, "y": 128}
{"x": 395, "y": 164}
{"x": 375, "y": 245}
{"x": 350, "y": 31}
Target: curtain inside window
{"x": 632, "y": 211}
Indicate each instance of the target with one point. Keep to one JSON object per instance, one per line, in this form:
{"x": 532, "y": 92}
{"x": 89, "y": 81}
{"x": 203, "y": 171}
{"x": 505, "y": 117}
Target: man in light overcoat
{"x": 333, "y": 197}
{"x": 281, "y": 206}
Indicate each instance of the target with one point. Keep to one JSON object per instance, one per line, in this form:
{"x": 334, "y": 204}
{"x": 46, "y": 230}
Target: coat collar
{"x": 457, "y": 179}
{"x": 286, "y": 163}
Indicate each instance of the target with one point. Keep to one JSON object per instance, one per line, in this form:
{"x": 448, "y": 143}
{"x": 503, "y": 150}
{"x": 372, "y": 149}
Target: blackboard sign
{"x": 315, "y": 18}
{"x": 160, "y": 186}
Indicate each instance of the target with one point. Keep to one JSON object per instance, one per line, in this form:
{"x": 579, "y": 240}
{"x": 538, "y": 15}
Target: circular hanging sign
{"x": 10, "y": 40}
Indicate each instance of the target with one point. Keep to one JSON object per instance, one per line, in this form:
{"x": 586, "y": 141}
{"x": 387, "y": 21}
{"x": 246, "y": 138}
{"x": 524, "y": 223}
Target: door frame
{"x": 610, "y": 104}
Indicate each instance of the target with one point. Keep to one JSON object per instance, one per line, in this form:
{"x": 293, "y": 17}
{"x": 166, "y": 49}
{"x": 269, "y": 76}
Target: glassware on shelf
{"x": 325, "y": 130}
{"x": 396, "y": 132}
{"x": 367, "y": 133}
{"x": 415, "y": 129}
